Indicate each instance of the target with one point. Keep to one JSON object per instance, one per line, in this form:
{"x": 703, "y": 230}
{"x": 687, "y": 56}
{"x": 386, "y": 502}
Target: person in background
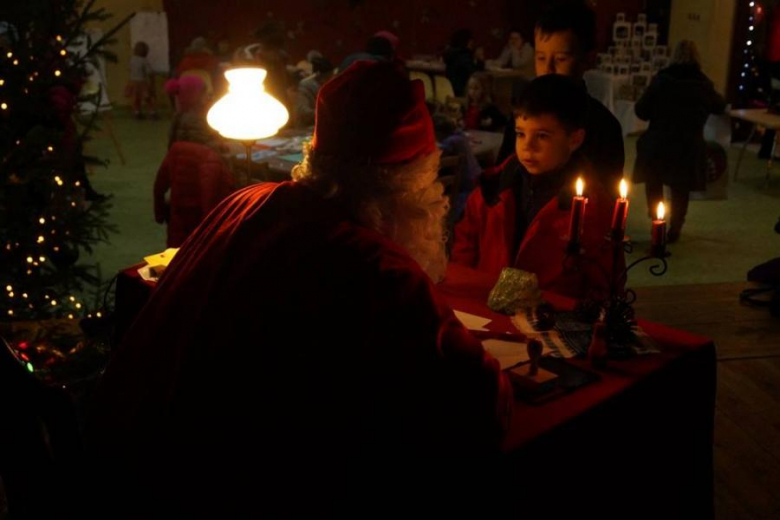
{"x": 274, "y": 271}
{"x": 672, "y": 151}
{"x": 189, "y": 121}
{"x": 517, "y": 54}
{"x": 305, "y": 66}
{"x": 306, "y": 99}
{"x": 198, "y": 56}
{"x": 461, "y": 60}
{"x": 519, "y": 215}
{"x": 378, "y": 48}
{"x": 270, "y": 55}
{"x": 453, "y": 142}
{"x": 140, "y": 87}
{"x": 564, "y": 40}
{"x": 480, "y": 112}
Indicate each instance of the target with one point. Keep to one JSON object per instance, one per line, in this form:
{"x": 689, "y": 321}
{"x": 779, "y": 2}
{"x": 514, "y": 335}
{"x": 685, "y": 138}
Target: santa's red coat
{"x": 484, "y": 240}
{"x": 198, "y": 180}
{"x": 283, "y": 342}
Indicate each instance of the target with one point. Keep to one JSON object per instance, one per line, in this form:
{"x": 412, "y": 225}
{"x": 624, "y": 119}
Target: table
{"x": 635, "y": 444}
{"x": 756, "y": 117}
{"x": 485, "y": 145}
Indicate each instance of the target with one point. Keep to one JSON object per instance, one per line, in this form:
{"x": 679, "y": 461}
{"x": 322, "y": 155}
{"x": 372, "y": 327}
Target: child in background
{"x": 481, "y": 113}
{"x": 452, "y": 142}
{"x": 140, "y": 88}
{"x": 189, "y": 122}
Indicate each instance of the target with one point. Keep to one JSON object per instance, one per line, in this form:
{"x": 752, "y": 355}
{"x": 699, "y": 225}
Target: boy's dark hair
{"x": 380, "y": 46}
{"x": 572, "y": 16}
{"x": 557, "y": 95}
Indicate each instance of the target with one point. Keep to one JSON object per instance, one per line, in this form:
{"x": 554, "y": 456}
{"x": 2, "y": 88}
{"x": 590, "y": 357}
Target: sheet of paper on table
{"x": 509, "y": 353}
{"x": 471, "y": 321}
{"x": 272, "y": 142}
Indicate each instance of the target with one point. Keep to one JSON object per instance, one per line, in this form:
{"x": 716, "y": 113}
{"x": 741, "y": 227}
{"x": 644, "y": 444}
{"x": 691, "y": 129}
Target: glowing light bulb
{"x": 41, "y": 239}
{"x": 9, "y": 288}
{"x": 10, "y": 294}
{"x": 57, "y": 73}
{"x": 247, "y": 112}
{"x": 16, "y": 62}
{"x": 4, "y": 106}
{"x": 10, "y": 54}
{"x": 59, "y": 38}
{"x": 78, "y": 305}
{"x": 50, "y": 148}
{"x": 42, "y": 258}
{"x": 63, "y": 52}
{"x": 53, "y": 302}
{"x": 24, "y": 295}
{"x": 98, "y": 314}
{"x": 29, "y": 259}
{"x": 42, "y": 220}
{"x": 10, "y": 312}
{"x": 2, "y": 82}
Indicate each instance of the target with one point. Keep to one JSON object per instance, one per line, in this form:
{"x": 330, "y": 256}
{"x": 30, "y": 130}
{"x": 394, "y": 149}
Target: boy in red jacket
{"x": 519, "y": 215}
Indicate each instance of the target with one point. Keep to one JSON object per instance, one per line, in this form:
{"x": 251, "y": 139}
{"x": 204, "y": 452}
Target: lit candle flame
{"x": 623, "y": 188}
{"x": 661, "y": 211}
{"x": 580, "y": 186}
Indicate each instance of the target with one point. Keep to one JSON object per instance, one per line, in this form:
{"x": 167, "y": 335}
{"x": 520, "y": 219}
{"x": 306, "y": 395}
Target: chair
{"x": 202, "y": 74}
{"x": 443, "y": 89}
{"x": 426, "y": 79}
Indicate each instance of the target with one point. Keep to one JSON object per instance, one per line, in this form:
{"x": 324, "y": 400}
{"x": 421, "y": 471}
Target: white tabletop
{"x": 758, "y": 116}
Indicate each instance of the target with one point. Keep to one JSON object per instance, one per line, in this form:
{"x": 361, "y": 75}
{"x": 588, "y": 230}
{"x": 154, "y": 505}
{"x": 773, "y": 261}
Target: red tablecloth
{"x": 635, "y": 444}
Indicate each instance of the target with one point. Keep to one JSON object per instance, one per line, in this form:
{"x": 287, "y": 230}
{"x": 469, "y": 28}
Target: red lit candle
{"x": 620, "y": 213}
{"x": 577, "y": 213}
{"x": 659, "y": 231}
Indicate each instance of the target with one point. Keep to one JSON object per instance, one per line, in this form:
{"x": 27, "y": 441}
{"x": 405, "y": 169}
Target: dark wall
{"x": 340, "y": 27}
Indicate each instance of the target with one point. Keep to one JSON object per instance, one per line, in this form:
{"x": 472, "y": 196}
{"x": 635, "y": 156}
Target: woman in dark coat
{"x": 673, "y": 151}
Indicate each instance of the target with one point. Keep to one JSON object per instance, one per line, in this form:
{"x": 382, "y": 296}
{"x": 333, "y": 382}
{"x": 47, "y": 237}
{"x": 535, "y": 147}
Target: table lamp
{"x": 247, "y": 112}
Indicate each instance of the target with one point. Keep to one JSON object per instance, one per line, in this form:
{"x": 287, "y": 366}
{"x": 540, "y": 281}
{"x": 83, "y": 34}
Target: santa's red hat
{"x": 372, "y": 113}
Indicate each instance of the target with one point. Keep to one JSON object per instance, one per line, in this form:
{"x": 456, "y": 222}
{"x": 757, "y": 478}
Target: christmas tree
{"x": 46, "y": 217}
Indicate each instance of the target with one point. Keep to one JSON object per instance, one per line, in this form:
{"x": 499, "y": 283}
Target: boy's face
{"x": 558, "y": 53}
{"x": 474, "y": 90}
{"x": 543, "y": 144}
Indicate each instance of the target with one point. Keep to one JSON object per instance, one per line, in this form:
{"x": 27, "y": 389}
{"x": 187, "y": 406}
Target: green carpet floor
{"x": 720, "y": 242}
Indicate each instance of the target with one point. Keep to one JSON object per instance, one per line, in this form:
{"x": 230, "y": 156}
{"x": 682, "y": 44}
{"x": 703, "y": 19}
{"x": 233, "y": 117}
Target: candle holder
{"x": 617, "y": 308}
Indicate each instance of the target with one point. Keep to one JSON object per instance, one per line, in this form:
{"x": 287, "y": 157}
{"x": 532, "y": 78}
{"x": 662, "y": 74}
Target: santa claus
{"x": 296, "y": 348}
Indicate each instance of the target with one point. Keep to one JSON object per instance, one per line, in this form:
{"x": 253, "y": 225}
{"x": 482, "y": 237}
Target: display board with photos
{"x": 635, "y": 55}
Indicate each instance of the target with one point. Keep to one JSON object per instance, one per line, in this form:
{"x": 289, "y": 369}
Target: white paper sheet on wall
{"x": 152, "y": 28}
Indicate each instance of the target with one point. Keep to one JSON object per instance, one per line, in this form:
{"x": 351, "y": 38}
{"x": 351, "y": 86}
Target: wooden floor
{"x": 747, "y": 414}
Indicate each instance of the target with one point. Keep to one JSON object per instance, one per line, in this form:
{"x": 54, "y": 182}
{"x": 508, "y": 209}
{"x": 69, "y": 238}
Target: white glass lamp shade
{"x": 247, "y": 111}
